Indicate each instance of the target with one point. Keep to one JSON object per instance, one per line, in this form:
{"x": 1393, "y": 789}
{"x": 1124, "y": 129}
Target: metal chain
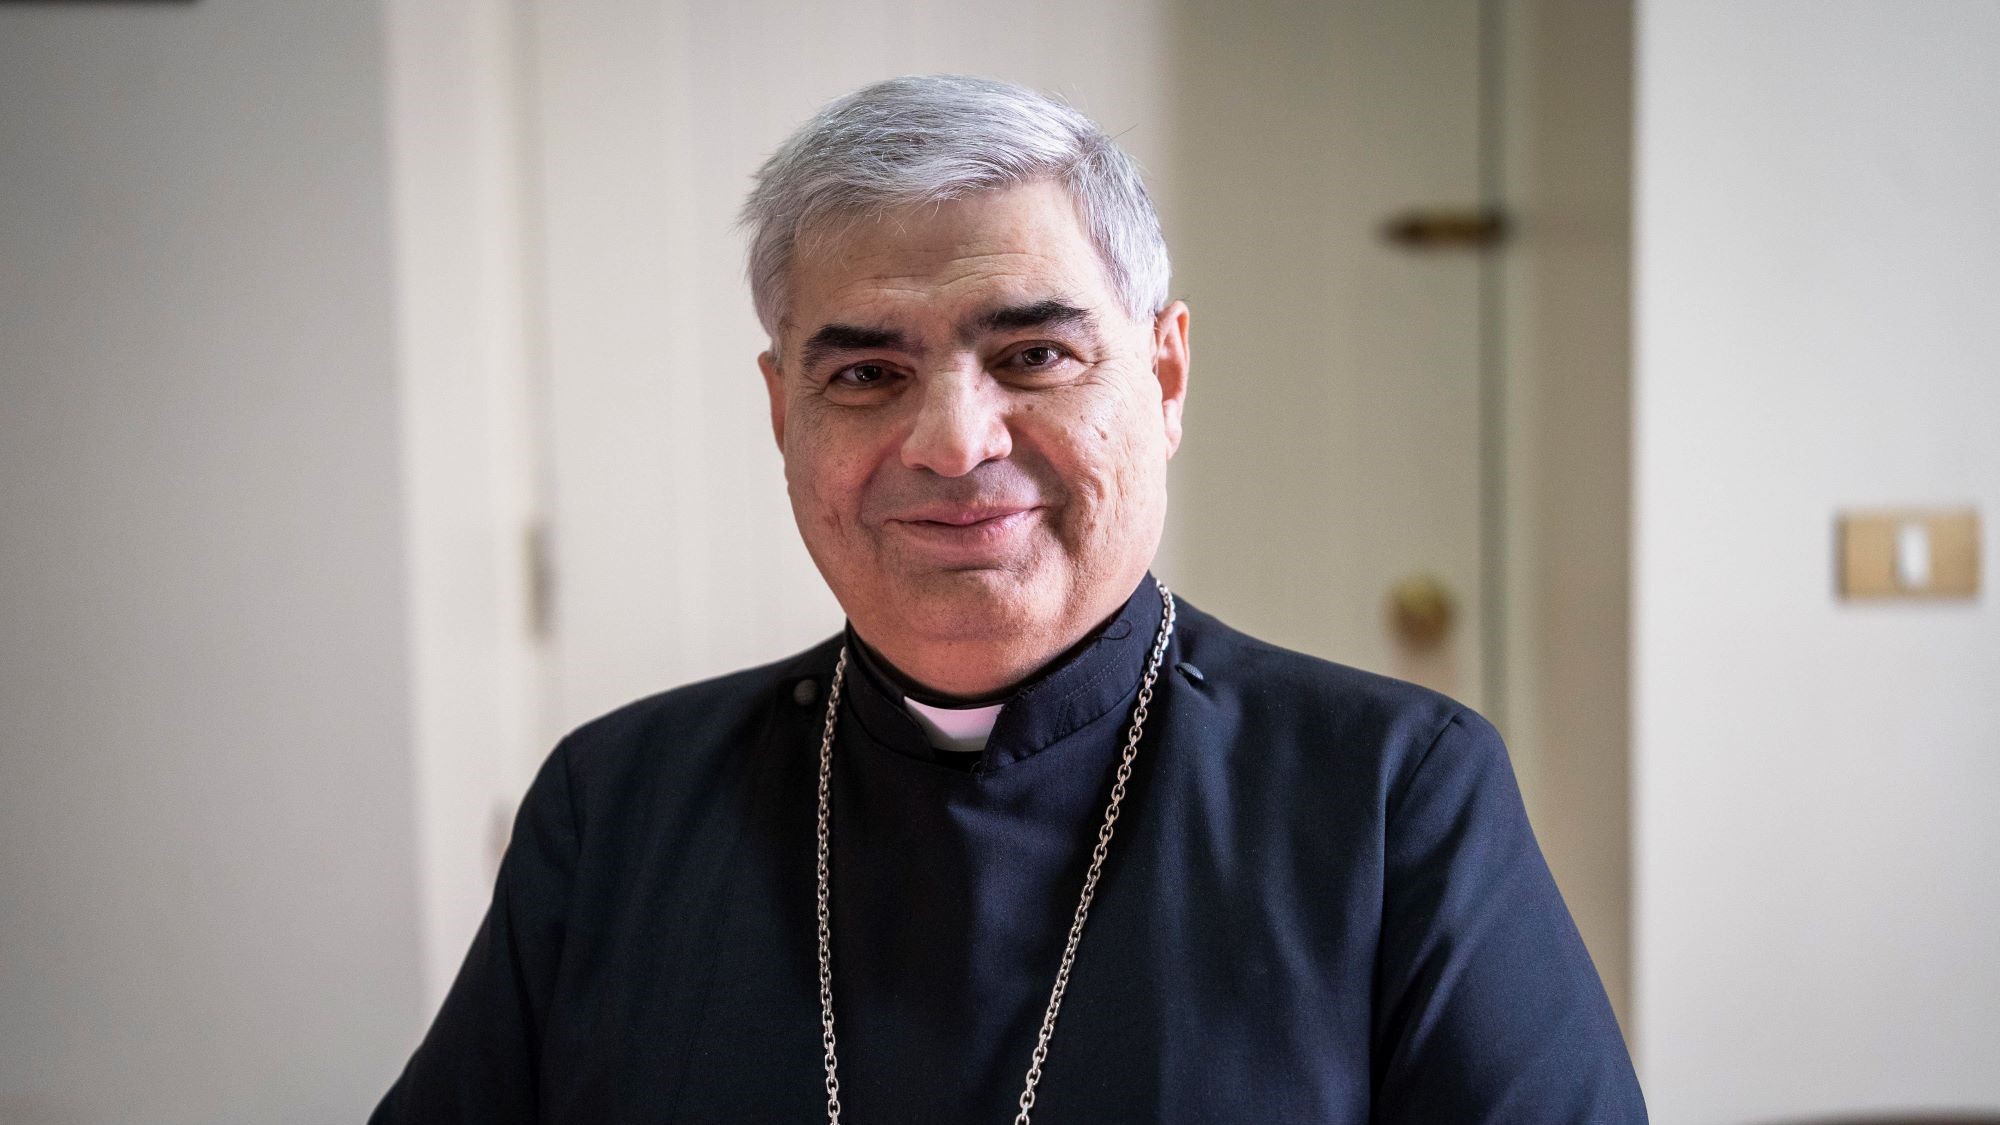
{"x": 1097, "y": 854}
{"x": 825, "y": 912}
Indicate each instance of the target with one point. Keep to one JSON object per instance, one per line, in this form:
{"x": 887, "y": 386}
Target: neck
{"x": 913, "y": 688}
{"x": 953, "y": 673}
{"x": 963, "y": 676}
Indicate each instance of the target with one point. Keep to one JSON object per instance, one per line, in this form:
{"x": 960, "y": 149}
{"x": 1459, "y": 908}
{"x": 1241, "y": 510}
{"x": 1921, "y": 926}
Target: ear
{"x": 774, "y": 385}
{"x": 1170, "y": 367}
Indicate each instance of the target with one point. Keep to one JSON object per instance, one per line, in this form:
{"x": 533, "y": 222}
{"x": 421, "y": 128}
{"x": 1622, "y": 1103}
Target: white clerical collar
{"x": 963, "y": 729}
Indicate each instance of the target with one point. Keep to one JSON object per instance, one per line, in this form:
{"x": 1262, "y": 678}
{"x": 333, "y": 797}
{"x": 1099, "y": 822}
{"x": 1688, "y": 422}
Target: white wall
{"x": 1817, "y": 850}
{"x": 467, "y": 339}
{"x": 207, "y": 906}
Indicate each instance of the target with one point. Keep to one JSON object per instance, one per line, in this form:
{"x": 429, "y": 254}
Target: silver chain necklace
{"x": 1097, "y": 855}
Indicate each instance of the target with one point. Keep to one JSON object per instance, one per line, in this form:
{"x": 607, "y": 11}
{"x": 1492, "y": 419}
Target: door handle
{"x": 1422, "y": 610}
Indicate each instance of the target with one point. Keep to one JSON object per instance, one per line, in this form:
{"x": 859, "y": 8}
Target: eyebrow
{"x": 1050, "y": 313}
{"x": 835, "y": 338}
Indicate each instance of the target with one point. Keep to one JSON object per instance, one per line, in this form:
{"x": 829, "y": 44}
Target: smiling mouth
{"x": 969, "y": 519}
{"x": 971, "y": 529}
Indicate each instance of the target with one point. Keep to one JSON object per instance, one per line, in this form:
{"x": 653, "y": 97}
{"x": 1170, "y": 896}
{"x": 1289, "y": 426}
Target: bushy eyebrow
{"x": 835, "y": 338}
{"x": 1049, "y": 313}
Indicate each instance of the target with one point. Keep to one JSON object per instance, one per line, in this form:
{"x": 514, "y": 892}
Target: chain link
{"x": 1097, "y": 854}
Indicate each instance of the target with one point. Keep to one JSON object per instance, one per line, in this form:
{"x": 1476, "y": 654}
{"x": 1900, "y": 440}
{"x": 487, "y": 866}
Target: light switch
{"x": 1910, "y": 554}
{"x": 1913, "y": 554}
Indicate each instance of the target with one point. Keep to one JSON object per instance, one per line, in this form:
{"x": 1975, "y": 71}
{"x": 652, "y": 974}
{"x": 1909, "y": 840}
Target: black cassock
{"x": 1323, "y": 903}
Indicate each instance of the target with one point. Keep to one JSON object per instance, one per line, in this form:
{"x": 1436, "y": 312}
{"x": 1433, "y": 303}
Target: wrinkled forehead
{"x": 928, "y": 267}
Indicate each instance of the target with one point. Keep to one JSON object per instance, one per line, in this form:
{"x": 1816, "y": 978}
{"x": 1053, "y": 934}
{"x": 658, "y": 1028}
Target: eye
{"x": 1037, "y": 358}
{"x": 862, "y": 375}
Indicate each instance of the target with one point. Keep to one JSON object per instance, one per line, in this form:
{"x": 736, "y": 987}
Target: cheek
{"x": 826, "y": 472}
{"x": 1106, "y": 455}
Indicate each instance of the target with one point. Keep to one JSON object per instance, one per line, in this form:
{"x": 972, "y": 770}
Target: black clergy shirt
{"x": 1323, "y": 903}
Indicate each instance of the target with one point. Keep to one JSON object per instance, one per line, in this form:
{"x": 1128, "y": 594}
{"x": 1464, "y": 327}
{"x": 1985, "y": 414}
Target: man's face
{"x": 975, "y": 433}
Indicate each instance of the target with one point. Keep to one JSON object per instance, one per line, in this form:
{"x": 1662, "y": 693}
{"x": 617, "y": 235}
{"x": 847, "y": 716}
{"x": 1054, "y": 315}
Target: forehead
{"x": 941, "y": 262}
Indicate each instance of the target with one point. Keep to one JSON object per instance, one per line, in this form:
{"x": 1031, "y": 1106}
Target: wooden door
{"x": 1334, "y": 434}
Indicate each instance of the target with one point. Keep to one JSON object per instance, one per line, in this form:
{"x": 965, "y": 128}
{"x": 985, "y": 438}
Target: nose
{"x": 961, "y": 424}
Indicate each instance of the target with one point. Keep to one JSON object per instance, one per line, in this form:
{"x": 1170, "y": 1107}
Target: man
{"x": 1032, "y": 836}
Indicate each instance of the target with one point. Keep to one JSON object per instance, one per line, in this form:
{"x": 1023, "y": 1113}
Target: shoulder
{"x": 681, "y": 736}
{"x": 1319, "y": 690}
{"x": 1336, "y": 716}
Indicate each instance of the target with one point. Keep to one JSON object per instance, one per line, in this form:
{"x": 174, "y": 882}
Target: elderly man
{"x": 1032, "y": 836}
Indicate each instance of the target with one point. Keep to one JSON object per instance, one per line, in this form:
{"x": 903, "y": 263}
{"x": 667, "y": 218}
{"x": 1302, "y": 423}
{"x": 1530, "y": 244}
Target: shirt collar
{"x": 961, "y": 730}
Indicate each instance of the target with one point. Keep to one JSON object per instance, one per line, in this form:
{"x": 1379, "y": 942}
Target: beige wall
{"x": 1564, "y": 305}
{"x": 207, "y": 904}
{"x": 1817, "y": 893}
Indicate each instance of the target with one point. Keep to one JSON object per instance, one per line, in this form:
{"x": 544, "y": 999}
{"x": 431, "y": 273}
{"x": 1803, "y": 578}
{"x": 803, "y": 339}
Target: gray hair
{"x": 930, "y": 139}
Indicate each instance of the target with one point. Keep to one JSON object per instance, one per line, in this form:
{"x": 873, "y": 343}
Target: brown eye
{"x": 1041, "y": 355}
{"x": 863, "y": 375}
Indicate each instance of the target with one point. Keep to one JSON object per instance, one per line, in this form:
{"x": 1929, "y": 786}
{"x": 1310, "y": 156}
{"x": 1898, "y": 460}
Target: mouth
{"x": 964, "y": 531}
{"x": 964, "y": 517}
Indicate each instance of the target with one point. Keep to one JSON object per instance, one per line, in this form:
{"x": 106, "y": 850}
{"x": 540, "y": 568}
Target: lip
{"x": 951, "y": 515}
{"x": 967, "y": 532}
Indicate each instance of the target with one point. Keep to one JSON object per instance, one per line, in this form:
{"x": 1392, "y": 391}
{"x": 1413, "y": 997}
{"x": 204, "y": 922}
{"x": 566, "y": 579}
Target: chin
{"x": 972, "y": 603}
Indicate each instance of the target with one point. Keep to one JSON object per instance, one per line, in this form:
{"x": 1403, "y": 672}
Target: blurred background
{"x": 379, "y": 403}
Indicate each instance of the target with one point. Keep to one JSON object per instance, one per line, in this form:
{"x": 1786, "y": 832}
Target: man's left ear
{"x": 1170, "y": 367}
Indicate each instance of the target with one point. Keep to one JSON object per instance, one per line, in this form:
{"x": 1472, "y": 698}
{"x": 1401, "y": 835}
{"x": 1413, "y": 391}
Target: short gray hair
{"x": 934, "y": 138}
